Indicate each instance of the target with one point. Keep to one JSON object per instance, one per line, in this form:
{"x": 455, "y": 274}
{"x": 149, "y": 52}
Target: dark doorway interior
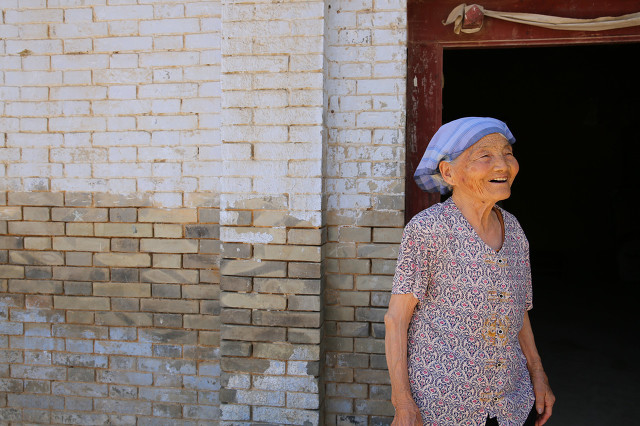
{"x": 575, "y": 114}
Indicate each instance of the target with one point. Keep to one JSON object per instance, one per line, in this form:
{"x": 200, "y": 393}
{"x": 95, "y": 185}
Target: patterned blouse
{"x": 464, "y": 357}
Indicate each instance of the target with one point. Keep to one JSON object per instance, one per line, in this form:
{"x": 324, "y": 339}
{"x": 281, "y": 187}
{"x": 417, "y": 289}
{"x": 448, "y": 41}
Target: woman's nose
{"x": 500, "y": 162}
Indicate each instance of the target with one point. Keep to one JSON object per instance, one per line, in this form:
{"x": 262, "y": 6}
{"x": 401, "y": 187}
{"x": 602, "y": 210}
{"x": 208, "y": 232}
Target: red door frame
{"x": 428, "y": 37}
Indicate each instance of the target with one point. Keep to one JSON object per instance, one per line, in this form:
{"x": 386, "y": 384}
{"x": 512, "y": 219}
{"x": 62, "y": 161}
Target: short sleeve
{"x": 528, "y": 282}
{"x": 409, "y": 275}
{"x": 524, "y": 259}
{"x": 529, "y": 286}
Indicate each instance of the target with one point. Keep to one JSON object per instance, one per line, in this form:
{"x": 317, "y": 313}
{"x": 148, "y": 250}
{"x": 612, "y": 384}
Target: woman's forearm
{"x": 543, "y": 394}
{"x": 397, "y": 321}
{"x": 528, "y": 345}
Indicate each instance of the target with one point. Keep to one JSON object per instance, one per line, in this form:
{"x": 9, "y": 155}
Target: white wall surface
{"x": 107, "y": 96}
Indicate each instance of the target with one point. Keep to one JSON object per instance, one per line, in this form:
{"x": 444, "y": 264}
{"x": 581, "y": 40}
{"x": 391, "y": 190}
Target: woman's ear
{"x": 446, "y": 171}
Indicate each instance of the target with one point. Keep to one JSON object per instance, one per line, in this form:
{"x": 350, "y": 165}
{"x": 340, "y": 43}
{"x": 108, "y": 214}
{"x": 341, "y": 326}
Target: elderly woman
{"x": 459, "y": 344}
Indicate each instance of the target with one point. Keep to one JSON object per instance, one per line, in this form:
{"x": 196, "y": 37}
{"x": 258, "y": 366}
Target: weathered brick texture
{"x": 110, "y": 97}
{"x": 365, "y": 192}
{"x": 200, "y": 208}
{"x": 272, "y": 227}
{"x": 118, "y": 339}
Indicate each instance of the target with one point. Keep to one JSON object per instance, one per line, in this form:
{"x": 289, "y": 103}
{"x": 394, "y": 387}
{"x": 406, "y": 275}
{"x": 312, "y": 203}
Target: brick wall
{"x": 119, "y": 97}
{"x": 109, "y": 219}
{"x": 200, "y": 205}
{"x": 366, "y": 54}
{"x": 109, "y": 310}
{"x": 272, "y": 227}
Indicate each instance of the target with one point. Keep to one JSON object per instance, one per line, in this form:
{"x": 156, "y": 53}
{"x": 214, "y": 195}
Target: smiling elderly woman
{"x": 459, "y": 344}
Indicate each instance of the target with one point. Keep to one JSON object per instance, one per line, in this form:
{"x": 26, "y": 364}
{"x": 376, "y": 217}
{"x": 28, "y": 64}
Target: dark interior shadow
{"x": 574, "y": 112}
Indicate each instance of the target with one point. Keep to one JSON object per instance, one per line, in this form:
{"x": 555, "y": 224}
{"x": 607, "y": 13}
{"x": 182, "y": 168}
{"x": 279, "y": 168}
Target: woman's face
{"x": 485, "y": 170}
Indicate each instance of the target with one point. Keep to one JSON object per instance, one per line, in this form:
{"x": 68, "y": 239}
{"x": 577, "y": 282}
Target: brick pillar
{"x": 272, "y": 227}
{"x": 366, "y": 56}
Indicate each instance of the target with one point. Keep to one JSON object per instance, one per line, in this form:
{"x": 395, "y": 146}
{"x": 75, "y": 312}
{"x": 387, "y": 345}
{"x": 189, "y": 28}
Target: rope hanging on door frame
{"x": 468, "y": 19}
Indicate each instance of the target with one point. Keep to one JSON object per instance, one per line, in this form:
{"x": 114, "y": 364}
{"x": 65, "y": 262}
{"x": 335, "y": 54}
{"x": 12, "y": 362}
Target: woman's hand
{"x": 541, "y": 389}
{"x": 544, "y": 396}
{"x": 407, "y": 414}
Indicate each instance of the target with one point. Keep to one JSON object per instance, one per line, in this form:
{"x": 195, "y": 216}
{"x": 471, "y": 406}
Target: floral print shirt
{"x": 464, "y": 358}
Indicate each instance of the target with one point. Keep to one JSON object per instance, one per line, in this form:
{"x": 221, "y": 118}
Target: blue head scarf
{"x": 449, "y": 142}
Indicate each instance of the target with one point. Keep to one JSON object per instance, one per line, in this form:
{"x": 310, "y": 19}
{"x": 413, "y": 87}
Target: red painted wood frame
{"x": 427, "y": 37}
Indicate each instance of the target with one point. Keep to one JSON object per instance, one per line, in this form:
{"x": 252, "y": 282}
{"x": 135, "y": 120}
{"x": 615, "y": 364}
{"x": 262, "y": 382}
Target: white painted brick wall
{"x": 366, "y": 56}
{"x": 272, "y": 103}
{"x": 114, "y": 96}
{"x": 131, "y": 82}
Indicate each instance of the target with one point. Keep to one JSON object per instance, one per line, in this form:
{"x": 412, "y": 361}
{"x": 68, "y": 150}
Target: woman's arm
{"x": 401, "y": 307}
{"x": 544, "y": 396}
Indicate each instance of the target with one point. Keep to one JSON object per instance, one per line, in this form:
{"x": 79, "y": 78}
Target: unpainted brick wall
{"x": 109, "y": 309}
{"x": 271, "y": 323}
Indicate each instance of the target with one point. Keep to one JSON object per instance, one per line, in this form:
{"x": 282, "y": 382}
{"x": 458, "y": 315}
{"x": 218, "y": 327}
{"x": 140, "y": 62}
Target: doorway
{"x": 574, "y": 112}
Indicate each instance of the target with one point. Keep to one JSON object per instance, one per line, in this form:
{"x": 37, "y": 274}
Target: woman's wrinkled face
{"x": 485, "y": 170}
